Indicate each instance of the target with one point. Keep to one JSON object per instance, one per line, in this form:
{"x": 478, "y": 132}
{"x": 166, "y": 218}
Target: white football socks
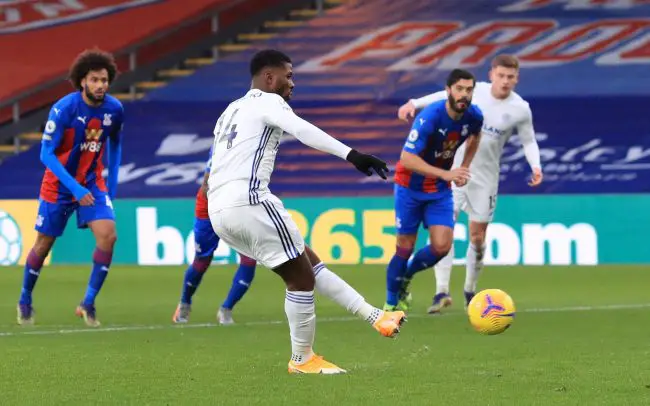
{"x": 301, "y": 314}
{"x": 474, "y": 266}
{"x": 443, "y": 272}
{"x": 332, "y": 286}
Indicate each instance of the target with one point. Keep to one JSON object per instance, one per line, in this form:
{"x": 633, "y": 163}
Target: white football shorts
{"x": 265, "y": 231}
{"x": 478, "y": 202}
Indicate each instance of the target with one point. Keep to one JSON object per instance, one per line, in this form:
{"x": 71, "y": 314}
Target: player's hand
{"x": 537, "y": 178}
{"x": 87, "y": 200}
{"x": 460, "y": 182}
{"x": 459, "y": 176}
{"x": 406, "y": 111}
{"x": 463, "y": 177}
{"x": 367, "y": 163}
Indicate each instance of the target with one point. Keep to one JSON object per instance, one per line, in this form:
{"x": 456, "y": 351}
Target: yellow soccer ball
{"x": 491, "y": 311}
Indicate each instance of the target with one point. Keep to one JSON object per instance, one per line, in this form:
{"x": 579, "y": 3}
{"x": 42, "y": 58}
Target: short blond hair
{"x": 505, "y": 60}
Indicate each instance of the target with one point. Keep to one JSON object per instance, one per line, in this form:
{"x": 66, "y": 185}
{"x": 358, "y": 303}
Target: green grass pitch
{"x": 581, "y": 337}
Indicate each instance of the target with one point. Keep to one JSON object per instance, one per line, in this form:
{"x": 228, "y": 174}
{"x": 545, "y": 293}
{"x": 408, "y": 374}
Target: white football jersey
{"x": 500, "y": 118}
{"x": 246, "y": 141}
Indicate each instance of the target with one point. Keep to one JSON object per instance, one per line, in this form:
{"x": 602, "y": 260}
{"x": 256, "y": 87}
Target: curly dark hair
{"x": 91, "y": 60}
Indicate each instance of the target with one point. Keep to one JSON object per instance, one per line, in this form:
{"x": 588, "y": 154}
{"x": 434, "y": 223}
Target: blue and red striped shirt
{"x": 77, "y": 134}
{"x": 435, "y": 137}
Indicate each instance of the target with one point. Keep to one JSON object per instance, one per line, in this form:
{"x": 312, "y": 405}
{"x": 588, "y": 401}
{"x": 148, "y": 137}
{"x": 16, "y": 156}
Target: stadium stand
{"x": 581, "y": 74}
{"x": 112, "y": 24}
{"x": 184, "y": 35}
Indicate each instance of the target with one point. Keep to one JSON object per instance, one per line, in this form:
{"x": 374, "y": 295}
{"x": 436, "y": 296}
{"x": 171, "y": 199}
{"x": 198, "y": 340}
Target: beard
{"x": 285, "y": 92}
{"x": 454, "y": 104}
{"x": 92, "y": 97}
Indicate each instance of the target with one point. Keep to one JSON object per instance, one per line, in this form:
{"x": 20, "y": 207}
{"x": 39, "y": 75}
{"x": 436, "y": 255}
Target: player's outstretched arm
{"x": 472, "y": 142}
{"x": 282, "y": 116}
{"x": 424, "y": 101}
{"x": 408, "y": 109}
{"x": 470, "y": 149}
{"x": 526, "y": 133}
{"x": 51, "y": 139}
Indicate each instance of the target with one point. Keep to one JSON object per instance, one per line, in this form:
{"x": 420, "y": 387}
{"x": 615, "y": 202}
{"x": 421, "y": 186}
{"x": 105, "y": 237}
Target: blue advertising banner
{"x": 587, "y": 146}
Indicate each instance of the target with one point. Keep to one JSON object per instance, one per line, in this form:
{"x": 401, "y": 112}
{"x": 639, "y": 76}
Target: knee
{"x": 406, "y": 242}
{"x": 297, "y": 274}
{"x": 477, "y": 238}
{"x": 105, "y": 238}
{"x": 43, "y": 245}
{"x": 313, "y": 258}
{"x": 441, "y": 247}
{"x": 112, "y": 238}
{"x": 108, "y": 239}
{"x": 305, "y": 282}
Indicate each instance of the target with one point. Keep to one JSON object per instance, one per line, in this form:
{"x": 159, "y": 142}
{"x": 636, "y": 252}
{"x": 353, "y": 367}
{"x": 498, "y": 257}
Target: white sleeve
{"x": 528, "y": 142}
{"x": 423, "y": 102}
{"x": 277, "y": 113}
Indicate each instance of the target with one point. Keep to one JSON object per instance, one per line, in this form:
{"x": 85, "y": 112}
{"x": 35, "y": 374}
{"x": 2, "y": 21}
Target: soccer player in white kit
{"x": 254, "y": 222}
{"x": 503, "y": 112}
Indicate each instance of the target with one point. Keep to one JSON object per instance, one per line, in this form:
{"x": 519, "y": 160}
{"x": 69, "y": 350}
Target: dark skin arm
{"x": 204, "y": 185}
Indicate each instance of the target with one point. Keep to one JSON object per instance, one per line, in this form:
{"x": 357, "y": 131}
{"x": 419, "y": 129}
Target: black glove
{"x": 364, "y": 163}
